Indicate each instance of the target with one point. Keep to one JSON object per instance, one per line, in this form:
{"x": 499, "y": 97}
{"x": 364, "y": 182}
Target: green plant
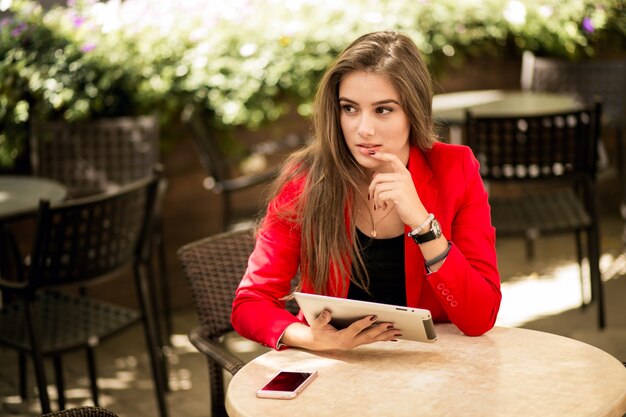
{"x": 247, "y": 62}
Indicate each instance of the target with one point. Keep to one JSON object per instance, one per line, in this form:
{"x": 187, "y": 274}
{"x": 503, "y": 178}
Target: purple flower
{"x": 88, "y": 47}
{"x": 588, "y": 25}
{"x": 19, "y": 29}
{"x": 78, "y": 21}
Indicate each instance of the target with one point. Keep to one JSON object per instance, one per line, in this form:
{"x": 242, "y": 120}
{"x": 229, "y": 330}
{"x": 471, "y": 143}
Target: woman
{"x": 374, "y": 208}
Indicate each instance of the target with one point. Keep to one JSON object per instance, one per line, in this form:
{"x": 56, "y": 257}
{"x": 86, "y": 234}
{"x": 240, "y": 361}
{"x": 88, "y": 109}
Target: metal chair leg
{"x": 579, "y": 258}
{"x": 597, "y": 290}
{"x": 152, "y": 290}
{"x": 621, "y": 170}
{"x": 37, "y": 356}
{"x": 93, "y": 375}
{"x": 150, "y": 329}
{"x": 23, "y": 376}
{"x": 59, "y": 380}
{"x": 164, "y": 284}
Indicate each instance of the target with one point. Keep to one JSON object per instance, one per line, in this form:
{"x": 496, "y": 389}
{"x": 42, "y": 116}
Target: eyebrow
{"x": 376, "y": 103}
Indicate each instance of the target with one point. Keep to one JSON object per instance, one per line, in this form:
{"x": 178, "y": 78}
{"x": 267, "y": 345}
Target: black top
{"x": 384, "y": 261}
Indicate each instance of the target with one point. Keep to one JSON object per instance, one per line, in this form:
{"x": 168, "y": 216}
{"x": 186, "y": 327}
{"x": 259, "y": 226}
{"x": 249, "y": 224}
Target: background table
{"x": 20, "y": 195}
{"x": 506, "y": 372}
{"x": 450, "y": 108}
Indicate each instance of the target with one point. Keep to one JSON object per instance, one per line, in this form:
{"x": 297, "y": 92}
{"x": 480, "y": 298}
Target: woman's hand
{"x": 397, "y": 187}
{"x": 321, "y": 335}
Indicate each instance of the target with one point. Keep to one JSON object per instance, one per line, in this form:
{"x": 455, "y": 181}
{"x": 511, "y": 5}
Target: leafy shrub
{"x": 248, "y": 61}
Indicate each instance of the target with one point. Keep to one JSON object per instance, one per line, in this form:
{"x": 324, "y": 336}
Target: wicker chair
{"x": 551, "y": 160}
{"x": 101, "y": 155}
{"x": 77, "y": 243}
{"x": 82, "y": 412}
{"x": 214, "y": 267}
{"x": 224, "y": 176}
{"x": 588, "y": 81}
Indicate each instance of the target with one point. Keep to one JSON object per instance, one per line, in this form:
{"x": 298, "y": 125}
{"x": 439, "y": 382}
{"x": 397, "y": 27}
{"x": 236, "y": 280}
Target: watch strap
{"x": 432, "y": 234}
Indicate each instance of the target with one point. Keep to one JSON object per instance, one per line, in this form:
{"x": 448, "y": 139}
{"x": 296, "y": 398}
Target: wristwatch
{"x": 432, "y": 234}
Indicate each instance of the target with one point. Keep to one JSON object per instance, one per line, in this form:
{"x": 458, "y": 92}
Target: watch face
{"x": 432, "y": 234}
{"x": 435, "y": 227}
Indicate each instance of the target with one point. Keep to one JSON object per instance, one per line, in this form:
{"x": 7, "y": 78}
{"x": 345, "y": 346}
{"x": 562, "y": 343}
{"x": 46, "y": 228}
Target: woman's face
{"x": 372, "y": 118}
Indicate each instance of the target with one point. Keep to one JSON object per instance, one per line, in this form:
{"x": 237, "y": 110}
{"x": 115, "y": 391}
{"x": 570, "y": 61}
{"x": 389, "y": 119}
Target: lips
{"x": 366, "y": 148}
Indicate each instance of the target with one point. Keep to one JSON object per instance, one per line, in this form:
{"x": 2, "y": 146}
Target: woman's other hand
{"x": 321, "y": 335}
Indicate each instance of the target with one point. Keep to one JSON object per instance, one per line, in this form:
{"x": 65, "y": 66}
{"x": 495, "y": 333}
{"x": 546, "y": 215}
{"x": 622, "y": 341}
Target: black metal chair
{"x": 82, "y": 412}
{"x": 588, "y": 81}
{"x": 225, "y": 177}
{"x": 101, "y": 155}
{"x": 214, "y": 267}
{"x": 551, "y": 160}
{"x": 77, "y": 243}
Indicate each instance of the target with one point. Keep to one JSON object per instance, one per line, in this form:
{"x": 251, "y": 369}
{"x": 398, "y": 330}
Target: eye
{"x": 383, "y": 110}
{"x": 346, "y": 108}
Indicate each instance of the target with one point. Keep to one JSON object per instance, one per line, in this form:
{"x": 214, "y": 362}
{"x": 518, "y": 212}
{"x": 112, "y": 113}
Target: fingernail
{"x": 372, "y": 152}
{"x": 323, "y": 315}
{"x": 373, "y": 318}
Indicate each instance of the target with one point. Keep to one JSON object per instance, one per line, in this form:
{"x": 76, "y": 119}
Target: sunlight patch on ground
{"x": 533, "y": 296}
{"x": 181, "y": 343}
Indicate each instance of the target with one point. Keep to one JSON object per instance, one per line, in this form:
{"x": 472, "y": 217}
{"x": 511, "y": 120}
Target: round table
{"x": 451, "y": 107}
{"x": 20, "y": 195}
{"x": 506, "y": 372}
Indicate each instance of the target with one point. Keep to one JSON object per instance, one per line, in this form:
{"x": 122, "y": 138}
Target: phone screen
{"x": 287, "y": 381}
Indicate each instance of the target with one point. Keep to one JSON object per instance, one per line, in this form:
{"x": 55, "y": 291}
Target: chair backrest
{"x": 213, "y": 158}
{"x": 82, "y": 412}
{"x": 214, "y": 267}
{"x": 92, "y": 237}
{"x": 589, "y": 81}
{"x": 544, "y": 147}
{"x": 90, "y": 157}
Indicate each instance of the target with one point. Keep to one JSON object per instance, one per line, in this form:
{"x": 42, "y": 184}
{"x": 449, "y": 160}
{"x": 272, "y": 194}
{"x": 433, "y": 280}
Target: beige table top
{"x": 506, "y": 372}
{"x": 451, "y": 107}
{"x": 20, "y": 195}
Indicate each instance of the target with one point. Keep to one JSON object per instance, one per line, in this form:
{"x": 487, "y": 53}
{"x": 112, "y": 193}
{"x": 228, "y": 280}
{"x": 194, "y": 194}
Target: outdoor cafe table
{"x": 450, "y": 108}
{"x": 505, "y": 372}
{"x": 20, "y": 195}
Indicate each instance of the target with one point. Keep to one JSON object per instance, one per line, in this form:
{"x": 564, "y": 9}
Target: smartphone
{"x": 286, "y": 385}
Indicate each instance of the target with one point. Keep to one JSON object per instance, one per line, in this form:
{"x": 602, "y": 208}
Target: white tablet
{"x": 414, "y": 323}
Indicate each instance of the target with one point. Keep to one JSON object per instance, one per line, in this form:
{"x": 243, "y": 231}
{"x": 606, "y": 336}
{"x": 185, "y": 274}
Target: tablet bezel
{"x": 414, "y": 323}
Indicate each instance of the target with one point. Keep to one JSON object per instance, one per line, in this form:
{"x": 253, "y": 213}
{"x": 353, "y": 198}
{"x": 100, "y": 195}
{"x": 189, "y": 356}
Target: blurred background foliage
{"x": 248, "y": 61}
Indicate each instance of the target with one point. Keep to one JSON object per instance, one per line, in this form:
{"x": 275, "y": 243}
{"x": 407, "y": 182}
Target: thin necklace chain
{"x": 374, "y": 233}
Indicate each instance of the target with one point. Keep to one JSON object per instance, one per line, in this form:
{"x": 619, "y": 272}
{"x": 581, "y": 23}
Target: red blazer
{"x": 464, "y": 291}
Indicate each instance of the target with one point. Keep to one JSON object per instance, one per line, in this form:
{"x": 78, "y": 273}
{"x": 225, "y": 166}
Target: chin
{"x": 367, "y": 163}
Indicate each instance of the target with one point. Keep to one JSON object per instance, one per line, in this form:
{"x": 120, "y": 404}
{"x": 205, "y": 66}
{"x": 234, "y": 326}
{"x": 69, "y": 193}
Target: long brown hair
{"x": 331, "y": 173}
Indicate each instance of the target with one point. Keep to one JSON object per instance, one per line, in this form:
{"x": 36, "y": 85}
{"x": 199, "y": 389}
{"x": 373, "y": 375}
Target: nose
{"x": 365, "y": 127}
